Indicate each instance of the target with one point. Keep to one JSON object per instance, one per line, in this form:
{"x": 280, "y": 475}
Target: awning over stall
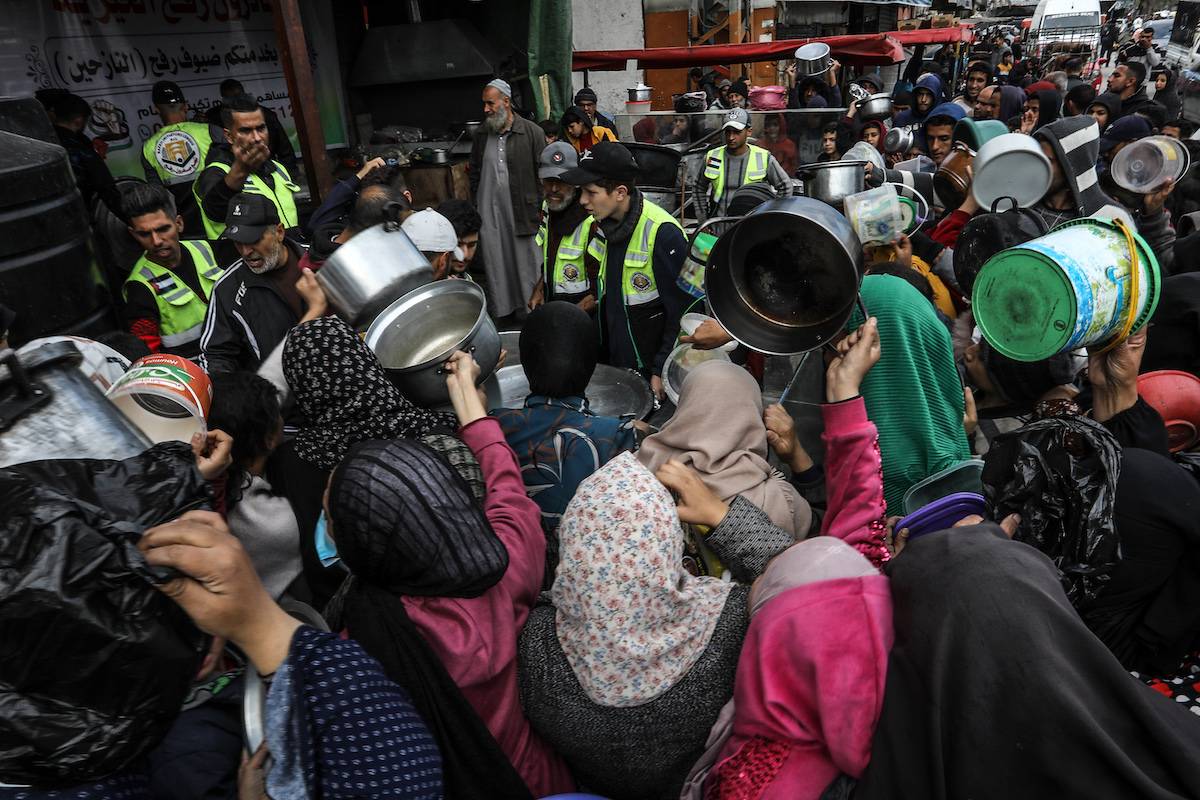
{"x": 859, "y": 50}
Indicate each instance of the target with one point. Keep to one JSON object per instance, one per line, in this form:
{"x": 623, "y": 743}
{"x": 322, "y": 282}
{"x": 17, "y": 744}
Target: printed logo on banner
{"x": 178, "y": 153}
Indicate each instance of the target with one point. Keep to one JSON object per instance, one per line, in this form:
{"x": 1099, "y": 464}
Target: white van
{"x": 1072, "y": 24}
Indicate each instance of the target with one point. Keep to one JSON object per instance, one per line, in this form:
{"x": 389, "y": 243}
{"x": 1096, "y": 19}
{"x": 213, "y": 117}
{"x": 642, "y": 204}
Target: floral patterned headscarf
{"x": 630, "y": 620}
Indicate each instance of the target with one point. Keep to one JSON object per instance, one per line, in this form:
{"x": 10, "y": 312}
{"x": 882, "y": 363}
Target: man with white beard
{"x": 569, "y": 270}
{"x": 503, "y": 175}
{"x": 262, "y": 296}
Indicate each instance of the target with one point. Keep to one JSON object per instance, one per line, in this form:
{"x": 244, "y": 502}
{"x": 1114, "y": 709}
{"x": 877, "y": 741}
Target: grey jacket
{"x": 525, "y": 144}
{"x": 645, "y": 752}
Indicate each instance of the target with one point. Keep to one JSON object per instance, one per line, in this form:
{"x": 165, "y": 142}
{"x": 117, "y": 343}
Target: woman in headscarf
{"x": 1166, "y": 93}
{"x": 1012, "y": 103}
{"x": 914, "y": 395}
{"x": 581, "y": 133}
{"x": 1041, "y": 108}
{"x": 718, "y": 430}
{"x": 442, "y": 586}
{"x": 345, "y": 398}
{"x": 811, "y": 672}
{"x": 1105, "y": 109}
{"x": 629, "y": 669}
{"x": 996, "y": 688}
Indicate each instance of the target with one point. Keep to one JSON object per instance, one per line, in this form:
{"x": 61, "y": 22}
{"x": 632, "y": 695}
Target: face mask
{"x": 326, "y": 549}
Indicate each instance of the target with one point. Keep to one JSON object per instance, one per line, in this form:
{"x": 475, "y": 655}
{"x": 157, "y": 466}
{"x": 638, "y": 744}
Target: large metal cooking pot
{"x": 370, "y": 271}
{"x": 876, "y": 106}
{"x": 415, "y": 335}
{"x": 812, "y": 59}
{"x": 640, "y": 93}
{"x": 49, "y": 409}
{"x": 658, "y": 165}
{"x": 898, "y": 140}
{"x": 952, "y": 181}
{"x": 833, "y": 181}
{"x": 784, "y": 280}
{"x": 612, "y": 392}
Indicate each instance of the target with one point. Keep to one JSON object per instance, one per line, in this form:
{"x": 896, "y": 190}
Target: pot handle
{"x": 442, "y": 369}
{"x": 28, "y": 395}
{"x": 996, "y": 202}
{"x": 700, "y": 229}
{"x": 391, "y": 213}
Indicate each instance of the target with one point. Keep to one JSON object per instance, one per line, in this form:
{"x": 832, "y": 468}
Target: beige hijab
{"x": 718, "y": 430}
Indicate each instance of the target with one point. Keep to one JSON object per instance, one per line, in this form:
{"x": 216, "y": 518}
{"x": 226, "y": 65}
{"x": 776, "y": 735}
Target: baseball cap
{"x": 605, "y": 160}
{"x": 432, "y": 233}
{"x": 556, "y": 159}
{"x": 737, "y": 118}
{"x": 166, "y": 92}
{"x": 248, "y": 216}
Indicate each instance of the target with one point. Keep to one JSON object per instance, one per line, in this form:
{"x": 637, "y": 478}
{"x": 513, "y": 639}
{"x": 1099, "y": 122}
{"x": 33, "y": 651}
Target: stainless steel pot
{"x": 49, "y": 409}
{"x": 812, "y": 59}
{"x": 370, "y": 271}
{"x": 432, "y": 155}
{"x": 784, "y": 280}
{"x": 640, "y": 93}
{"x": 833, "y": 181}
{"x": 415, "y": 335}
{"x": 612, "y": 392}
{"x": 898, "y": 140}
{"x": 876, "y": 106}
{"x": 473, "y": 127}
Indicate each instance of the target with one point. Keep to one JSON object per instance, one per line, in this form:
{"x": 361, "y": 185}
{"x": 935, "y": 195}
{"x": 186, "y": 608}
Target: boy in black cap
{"x": 586, "y": 99}
{"x": 641, "y": 249}
{"x": 175, "y": 154}
{"x": 262, "y": 296}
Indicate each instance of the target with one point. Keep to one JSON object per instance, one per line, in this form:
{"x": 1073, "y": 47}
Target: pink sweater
{"x": 854, "y": 480}
{"x": 476, "y": 638}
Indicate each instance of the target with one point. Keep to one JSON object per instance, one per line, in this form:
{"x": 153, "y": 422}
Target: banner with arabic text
{"x": 111, "y": 52}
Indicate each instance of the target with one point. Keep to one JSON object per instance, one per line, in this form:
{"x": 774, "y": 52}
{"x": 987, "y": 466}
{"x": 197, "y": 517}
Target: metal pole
{"x": 289, "y": 30}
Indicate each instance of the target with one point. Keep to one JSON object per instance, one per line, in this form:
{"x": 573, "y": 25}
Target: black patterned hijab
{"x": 405, "y": 520}
{"x": 344, "y": 394}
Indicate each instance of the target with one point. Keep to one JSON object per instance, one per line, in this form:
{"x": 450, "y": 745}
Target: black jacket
{"x": 281, "y": 146}
{"x": 215, "y": 195}
{"x": 1138, "y": 101}
{"x": 91, "y": 173}
{"x": 247, "y": 318}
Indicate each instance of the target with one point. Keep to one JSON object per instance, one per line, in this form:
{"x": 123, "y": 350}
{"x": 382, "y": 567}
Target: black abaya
{"x": 996, "y": 689}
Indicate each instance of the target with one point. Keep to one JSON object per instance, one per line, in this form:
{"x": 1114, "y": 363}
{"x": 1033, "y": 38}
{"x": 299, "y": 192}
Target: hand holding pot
{"x": 461, "y": 374}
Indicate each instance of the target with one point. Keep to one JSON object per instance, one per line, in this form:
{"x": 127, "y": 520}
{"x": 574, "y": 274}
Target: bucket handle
{"x": 1134, "y": 270}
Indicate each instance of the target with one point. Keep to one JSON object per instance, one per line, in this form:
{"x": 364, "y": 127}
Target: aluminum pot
{"x": 1011, "y": 165}
{"x": 370, "y": 271}
{"x": 952, "y": 181}
{"x": 876, "y": 106}
{"x": 898, "y": 140}
{"x": 640, "y": 93}
{"x": 784, "y": 279}
{"x": 415, "y": 335}
{"x": 812, "y": 59}
{"x": 833, "y": 181}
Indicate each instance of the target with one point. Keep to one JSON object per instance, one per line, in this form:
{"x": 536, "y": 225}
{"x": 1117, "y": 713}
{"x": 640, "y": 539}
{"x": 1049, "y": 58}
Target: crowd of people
{"x": 537, "y": 601}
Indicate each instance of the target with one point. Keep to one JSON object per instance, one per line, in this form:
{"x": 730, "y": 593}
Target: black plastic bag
{"x": 94, "y": 661}
{"x": 1060, "y": 474}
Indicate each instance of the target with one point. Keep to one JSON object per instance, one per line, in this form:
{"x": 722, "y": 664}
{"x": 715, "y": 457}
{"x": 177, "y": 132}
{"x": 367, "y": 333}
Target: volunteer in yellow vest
{"x": 174, "y": 156}
{"x": 734, "y": 165}
{"x": 568, "y": 270}
{"x": 167, "y": 291}
{"x": 640, "y": 249}
{"x": 243, "y": 163}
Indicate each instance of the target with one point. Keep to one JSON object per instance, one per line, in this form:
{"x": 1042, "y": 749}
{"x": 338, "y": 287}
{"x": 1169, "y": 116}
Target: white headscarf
{"x": 630, "y": 620}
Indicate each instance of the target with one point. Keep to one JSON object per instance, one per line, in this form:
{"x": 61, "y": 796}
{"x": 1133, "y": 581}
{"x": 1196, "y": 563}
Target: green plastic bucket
{"x": 1062, "y": 291}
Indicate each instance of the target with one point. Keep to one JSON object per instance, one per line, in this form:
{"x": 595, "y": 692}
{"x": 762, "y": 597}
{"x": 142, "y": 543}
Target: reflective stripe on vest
{"x": 177, "y": 152}
{"x": 567, "y": 275}
{"x": 714, "y": 169}
{"x": 280, "y": 192}
{"x": 180, "y": 311}
{"x": 637, "y": 274}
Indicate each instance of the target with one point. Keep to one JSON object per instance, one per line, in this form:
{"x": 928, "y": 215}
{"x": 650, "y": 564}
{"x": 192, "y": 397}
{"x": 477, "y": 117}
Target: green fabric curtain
{"x": 550, "y": 56}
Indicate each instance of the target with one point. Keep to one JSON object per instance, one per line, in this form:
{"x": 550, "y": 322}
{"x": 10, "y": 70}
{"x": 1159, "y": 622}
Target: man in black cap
{"x": 262, "y": 296}
{"x": 641, "y": 249}
{"x": 175, "y": 154}
{"x": 586, "y": 99}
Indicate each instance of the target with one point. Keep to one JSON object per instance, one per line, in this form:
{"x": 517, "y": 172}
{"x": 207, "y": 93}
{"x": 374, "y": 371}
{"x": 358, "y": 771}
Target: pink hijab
{"x": 718, "y": 430}
{"x": 810, "y": 678}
